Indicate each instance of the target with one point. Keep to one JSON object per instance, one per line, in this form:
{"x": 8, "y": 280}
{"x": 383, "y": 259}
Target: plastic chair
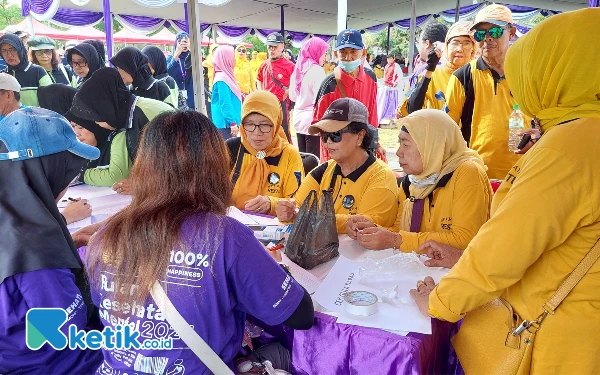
{"x": 309, "y": 162}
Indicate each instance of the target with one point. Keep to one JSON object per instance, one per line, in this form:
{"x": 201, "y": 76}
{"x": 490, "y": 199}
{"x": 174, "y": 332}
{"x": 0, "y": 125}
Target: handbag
{"x": 493, "y": 339}
{"x": 314, "y": 239}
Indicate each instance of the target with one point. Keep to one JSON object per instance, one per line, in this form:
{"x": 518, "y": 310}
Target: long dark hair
{"x": 54, "y": 61}
{"x": 181, "y": 170}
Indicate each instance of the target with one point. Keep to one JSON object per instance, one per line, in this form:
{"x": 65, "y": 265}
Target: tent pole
{"x": 342, "y": 21}
{"x": 196, "y": 55}
{"x": 411, "y": 45}
{"x": 457, "y": 15}
{"x": 108, "y": 30}
{"x": 388, "y": 38}
{"x": 187, "y": 21}
{"x": 282, "y": 21}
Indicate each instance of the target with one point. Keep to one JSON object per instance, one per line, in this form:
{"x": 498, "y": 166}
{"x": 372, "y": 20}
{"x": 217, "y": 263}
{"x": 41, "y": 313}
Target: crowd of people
{"x": 133, "y": 127}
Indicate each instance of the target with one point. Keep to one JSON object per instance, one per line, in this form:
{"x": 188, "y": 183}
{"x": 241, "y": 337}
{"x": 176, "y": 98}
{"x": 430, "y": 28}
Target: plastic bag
{"x": 314, "y": 238}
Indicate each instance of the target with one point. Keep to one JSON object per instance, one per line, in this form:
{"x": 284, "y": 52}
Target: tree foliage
{"x": 10, "y": 14}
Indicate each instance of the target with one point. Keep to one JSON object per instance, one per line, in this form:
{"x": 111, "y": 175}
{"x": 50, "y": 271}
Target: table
{"x": 330, "y": 348}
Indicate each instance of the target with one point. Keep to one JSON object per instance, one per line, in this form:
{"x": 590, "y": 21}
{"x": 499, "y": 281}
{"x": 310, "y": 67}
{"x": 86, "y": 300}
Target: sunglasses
{"x": 335, "y": 137}
{"x": 495, "y": 33}
{"x": 241, "y": 50}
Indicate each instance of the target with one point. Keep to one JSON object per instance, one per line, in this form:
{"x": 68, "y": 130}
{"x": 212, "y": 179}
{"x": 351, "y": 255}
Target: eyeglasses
{"x": 335, "y": 137}
{"x": 495, "y": 33}
{"x": 465, "y": 45}
{"x": 43, "y": 52}
{"x": 250, "y": 127}
{"x": 9, "y": 51}
{"x": 241, "y": 50}
{"x": 79, "y": 64}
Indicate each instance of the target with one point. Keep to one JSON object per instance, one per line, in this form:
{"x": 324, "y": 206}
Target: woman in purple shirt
{"x": 175, "y": 231}
{"x": 39, "y": 266}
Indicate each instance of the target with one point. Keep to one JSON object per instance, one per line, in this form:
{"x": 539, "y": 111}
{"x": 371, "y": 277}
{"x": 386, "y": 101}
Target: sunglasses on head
{"x": 495, "y": 32}
{"x": 334, "y": 136}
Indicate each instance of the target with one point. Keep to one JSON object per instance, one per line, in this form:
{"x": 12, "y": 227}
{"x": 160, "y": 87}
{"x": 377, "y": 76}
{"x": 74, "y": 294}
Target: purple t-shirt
{"x": 220, "y": 273}
{"x": 43, "y": 288}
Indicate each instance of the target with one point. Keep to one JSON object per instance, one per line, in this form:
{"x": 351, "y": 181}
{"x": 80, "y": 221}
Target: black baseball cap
{"x": 275, "y": 39}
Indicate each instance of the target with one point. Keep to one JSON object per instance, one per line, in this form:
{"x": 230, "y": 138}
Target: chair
{"x": 309, "y": 162}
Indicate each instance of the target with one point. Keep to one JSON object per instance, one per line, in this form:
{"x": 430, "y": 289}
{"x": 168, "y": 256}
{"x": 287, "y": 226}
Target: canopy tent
{"x": 206, "y": 41}
{"x": 77, "y": 33}
{"x": 164, "y": 37}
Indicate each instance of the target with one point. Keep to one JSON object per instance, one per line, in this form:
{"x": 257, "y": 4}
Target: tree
{"x": 10, "y": 14}
{"x": 116, "y": 26}
{"x": 398, "y": 41}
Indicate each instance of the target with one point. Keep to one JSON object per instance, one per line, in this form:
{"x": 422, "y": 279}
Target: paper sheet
{"x": 403, "y": 316}
{"x": 87, "y": 191}
{"x": 235, "y": 213}
{"x": 303, "y": 277}
{"x": 109, "y": 204}
{"x": 80, "y": 224}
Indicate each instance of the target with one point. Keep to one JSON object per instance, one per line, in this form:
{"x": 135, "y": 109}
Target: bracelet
{"x": 396, "y": 246}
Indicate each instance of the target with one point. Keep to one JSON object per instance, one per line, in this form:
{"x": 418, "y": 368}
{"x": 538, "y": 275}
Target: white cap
{"x": 8, "y": 82}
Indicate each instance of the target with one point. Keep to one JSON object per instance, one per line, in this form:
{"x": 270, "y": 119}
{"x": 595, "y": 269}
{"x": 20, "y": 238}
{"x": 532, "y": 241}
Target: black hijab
{"x": 157, "y": 59}
{"x": 89, "y": 53}
{"x": 134, "y": 62}
{"x": 104, "y": 97}
{"x": 15, "y": 42}
{"x": 99, "y": 46}
{"x": 59, "y": 98}
{"x": 35, "y": 235}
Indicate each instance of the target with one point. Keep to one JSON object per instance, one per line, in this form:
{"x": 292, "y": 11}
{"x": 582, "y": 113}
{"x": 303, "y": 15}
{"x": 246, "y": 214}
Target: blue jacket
{"x": 176, "y": 69}
{"x": 226, "y": 108}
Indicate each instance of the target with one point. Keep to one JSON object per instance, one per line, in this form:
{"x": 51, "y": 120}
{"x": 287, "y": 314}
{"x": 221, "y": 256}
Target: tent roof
{"x": 164, "y": 36}
{"x": 76, "y": 33}
{"x": 313, "y": 16}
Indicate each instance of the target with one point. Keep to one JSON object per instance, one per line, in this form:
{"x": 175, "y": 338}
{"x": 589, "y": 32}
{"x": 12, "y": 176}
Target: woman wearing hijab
{"x": 99, "y": 46}
{"x": 176, "y": 69}
{"x": 226, "y": 100}
{"x": 265, "y": 168}
{"x": 460, "y": 49}
{"x": 158, "y": 66}
{"x": 40, "y": 265}
{"x": 133, "y": 68}
{"x": 526, "y": 250}
{"x": 29, "y": 75}
{"x": 113, "y": 164}
{"x": 105, "y": 100}
{"x": 243, "y": 70}
{"x": 446, "y": 195}
{"x": 208, "y": 64}
{"x": 84, "y": 60}
{"x": 42, "y": 51}
{"x": 289, "y": 55}
{"x": 255, "y": 64}
{"x": 305, "y": 82}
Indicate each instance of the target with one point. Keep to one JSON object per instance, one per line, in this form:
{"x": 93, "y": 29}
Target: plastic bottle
{"x": 516, "y": 125}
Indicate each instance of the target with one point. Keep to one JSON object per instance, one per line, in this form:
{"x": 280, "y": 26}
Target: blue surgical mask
{"x": 350, "y": 66}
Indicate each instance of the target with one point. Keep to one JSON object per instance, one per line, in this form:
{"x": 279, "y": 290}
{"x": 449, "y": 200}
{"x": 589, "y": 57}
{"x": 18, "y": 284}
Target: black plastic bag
{"x": 314, "y": 238}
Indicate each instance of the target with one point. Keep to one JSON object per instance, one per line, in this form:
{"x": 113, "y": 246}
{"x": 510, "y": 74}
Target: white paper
{"x": 88, "y": 191}
{"x": 80, "y": 224}
{"x": 109, "y": 204}
{"x": 235, "y": 213}
{"x": 403, "y": 316}
{"x": 302, "y": 276}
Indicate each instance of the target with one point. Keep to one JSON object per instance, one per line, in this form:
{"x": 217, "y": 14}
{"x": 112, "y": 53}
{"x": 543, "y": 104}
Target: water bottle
{"x": 516, "y": 125}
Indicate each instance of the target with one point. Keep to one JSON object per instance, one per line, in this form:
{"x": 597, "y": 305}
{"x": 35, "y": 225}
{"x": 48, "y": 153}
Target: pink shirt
{"x": 305, "y": 99}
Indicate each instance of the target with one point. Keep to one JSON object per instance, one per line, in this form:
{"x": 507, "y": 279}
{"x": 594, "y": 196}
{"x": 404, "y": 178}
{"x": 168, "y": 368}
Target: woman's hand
{"x": 441, "y": 255}
{"x": 122, "y": 187}
{"x": 381, "y": 153}
{"x": 356, "y": 223}
{"x": 535, "y": 136}
{"x": 76, "y": 211}
{"x": 82, "y": 236}
{"x": 376, "y": 238}
{"x": 286, "y": 210}
{"x": 260, "y": 204}
{"x": 421, "y": 294}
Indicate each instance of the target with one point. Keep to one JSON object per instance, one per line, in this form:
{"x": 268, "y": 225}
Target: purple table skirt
{"x": 330, "y": 348}
{"x": 387, "y": 102}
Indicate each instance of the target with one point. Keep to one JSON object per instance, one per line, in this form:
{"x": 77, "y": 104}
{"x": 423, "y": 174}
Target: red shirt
{"x": 362, "y": 88}
{"x": 282, "y": 70}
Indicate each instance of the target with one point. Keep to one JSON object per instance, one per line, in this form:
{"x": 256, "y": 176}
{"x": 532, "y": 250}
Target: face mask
{"x": 350, "y": 66}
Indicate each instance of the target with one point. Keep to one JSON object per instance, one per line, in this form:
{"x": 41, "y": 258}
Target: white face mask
{"x": 350, "y": 66}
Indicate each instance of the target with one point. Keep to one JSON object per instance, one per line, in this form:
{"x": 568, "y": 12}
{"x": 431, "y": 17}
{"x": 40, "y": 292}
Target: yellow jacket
{"x": 255, "y": 65}
{"x": 208, "y": 64}
{"x": 370, "y": 191}
{"x": 455, "y": 213}
{"x": 289, "y": 170}
{"x": 487, "y": 118}
{"x": 243, "y": 74}
{"x": 545, "y": 218}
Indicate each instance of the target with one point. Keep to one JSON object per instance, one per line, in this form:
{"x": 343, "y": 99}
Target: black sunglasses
{"x": 495, "y": 33}
{"x": 334, "y": 136}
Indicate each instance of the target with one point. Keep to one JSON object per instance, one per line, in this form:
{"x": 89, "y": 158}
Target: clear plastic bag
{"x": 391, "y": 268}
